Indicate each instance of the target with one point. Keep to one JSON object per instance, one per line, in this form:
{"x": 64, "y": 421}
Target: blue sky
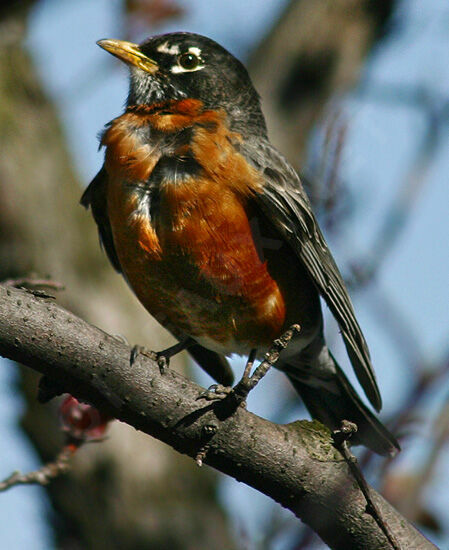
{"x": 382, "y": 143}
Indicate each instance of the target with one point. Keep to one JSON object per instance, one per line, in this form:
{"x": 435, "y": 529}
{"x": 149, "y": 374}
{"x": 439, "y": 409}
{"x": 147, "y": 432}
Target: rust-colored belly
{"x": 196, "y": 269}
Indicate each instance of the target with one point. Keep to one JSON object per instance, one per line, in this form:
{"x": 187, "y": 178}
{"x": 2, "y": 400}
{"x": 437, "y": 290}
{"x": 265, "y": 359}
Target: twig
{"x": 209, "y": 430}
{"x": 31, "y": 283}
{"x": 44, "y": 475}
{"x": 341, "y": 437}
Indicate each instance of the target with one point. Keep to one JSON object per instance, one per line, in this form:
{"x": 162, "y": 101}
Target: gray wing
{"x": 95, "y": 197}
{"x": 285, "y": 203}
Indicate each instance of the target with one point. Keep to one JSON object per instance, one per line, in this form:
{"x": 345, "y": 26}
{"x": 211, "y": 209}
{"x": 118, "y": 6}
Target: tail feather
{"x": 343, "y": 403}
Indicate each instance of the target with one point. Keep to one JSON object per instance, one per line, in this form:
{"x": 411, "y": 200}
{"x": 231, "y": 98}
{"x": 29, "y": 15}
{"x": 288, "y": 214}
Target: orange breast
{"x": 194, "y": 264}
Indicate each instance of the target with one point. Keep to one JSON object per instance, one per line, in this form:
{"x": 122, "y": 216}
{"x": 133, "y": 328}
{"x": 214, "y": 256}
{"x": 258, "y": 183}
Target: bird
{"x": 213, "y": 231}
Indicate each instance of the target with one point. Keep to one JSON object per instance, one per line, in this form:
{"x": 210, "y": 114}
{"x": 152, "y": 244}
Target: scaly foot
{"x": 161, "y": 357}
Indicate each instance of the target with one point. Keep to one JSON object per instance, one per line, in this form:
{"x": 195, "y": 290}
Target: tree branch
{"x": 295, "y": 464}
{"x": 43, "y": 475}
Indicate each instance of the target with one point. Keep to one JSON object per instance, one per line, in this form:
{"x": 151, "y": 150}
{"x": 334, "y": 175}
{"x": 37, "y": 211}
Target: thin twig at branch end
{"x": 341, "y": 437}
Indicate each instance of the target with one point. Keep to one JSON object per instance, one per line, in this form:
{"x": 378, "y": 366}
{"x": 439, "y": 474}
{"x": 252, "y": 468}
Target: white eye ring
{"x": 188, "y": 62}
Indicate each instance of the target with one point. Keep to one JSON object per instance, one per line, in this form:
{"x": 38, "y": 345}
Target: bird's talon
{"x": 135, "y": 352}
{"x": 163, "y": 363}
{"x": 141, "y": 350}
{"x": 215, "y": 392}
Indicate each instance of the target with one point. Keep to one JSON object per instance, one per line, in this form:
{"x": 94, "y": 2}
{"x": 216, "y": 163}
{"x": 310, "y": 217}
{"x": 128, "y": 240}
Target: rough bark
{"x": 295, "y": 464}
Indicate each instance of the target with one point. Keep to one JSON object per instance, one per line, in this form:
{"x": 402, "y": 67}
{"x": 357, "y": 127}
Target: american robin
{"x": 213, "y": 231}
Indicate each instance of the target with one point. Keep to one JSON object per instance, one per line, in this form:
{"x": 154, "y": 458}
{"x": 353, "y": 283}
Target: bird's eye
{"x": 188, "y": 61}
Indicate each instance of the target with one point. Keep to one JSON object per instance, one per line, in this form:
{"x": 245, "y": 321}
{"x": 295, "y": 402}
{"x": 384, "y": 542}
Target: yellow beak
{"x": 129, "y": 53}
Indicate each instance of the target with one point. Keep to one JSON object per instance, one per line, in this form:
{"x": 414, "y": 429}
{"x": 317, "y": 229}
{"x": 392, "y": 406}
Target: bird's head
{"x": 185, "y": 65}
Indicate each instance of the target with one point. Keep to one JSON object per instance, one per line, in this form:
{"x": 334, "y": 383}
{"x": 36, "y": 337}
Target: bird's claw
{"x": 163, "y": 362}
{"x": 162, "y": 358}
{"x": 141, "y": 350}
{"x": 215, "y": 392}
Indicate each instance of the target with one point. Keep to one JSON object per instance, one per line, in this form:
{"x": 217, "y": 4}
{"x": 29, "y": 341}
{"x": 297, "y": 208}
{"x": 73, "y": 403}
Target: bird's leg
{"x": 161, "y": 357}
{"x": 249, "y": 363}
{"x": 236, "y": 396}
{"x": 247, "y": 383}
{"x": 241, "y": 390}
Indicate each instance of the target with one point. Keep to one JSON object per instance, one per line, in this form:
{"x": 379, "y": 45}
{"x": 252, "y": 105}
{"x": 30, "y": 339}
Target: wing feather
{"x": 285, "y": 203}
{"x": 95, "y": 196}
